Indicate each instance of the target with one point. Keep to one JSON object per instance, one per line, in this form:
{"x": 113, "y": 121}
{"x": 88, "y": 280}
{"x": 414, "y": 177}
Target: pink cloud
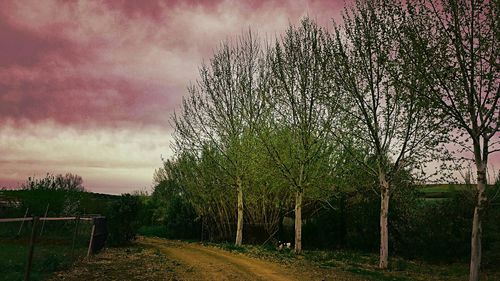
{"x": 85, "y": 62}
{"x": 88, "y": 86}
{"x": 103, "y": 68}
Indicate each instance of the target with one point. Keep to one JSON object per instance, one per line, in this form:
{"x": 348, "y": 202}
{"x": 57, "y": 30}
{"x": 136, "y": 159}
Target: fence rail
{"x": 47, "y": 219}
{"x": 16, "y": 219}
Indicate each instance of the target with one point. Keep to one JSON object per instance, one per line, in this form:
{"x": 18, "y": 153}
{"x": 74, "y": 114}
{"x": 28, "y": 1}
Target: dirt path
{"x": 152, "y": 259}
{"x": 197, "y": 262}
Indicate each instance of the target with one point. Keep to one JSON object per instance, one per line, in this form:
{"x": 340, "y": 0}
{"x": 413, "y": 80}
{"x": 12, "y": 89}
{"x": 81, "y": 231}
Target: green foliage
{"x": 123, "y": 219}
{"x": 68, "y": 182}
{"x": 173, "y": 212}
{"x": 180, "y": 219}
{"x": 152, "y": 230}
{"x": 437, "y": 231}
{"x": 59, "y": 195}
{"x": 338, "y": 119}
{"x": 443, "y": 228}
{"x": 232, "y": 248}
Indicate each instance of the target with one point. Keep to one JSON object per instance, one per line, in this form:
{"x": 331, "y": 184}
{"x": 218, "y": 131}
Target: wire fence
{"x": 31, "y": 248}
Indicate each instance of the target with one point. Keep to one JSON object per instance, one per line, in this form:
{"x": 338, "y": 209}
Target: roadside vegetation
{"x": 342, "y": 141}
{"x": 328, "y": 138}
{"x": 133, "y": 262}
{"x": 360, "y": 264}
{"x": 58, "y": 196}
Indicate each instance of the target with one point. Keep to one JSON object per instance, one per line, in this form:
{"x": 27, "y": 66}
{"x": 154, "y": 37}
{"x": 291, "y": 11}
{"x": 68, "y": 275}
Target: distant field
{"x": 14, "y": 203}
{"x": 445, "y": 187}
{"x": 433, "y": 188}
{"x": 438, "y": 191}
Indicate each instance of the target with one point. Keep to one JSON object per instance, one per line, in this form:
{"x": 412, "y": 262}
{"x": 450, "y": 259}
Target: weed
{"x": 233, "y": 248}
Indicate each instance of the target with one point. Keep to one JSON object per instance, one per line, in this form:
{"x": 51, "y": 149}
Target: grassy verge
{"x": 152, "y": 231}
{"x": 362, "y": 264}
{"x": 123, "y": 263}
{"x": 52, "y": 251}
{"x": 47, "y": 259}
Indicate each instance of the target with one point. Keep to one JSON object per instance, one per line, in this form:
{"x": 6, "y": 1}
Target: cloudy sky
{"x": 88, "y": 87}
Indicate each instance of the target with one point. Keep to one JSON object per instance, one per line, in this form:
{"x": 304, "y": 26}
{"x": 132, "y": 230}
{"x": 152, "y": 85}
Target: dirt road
{"x": 197, "y": 262}
{"x": 151, "y": 259}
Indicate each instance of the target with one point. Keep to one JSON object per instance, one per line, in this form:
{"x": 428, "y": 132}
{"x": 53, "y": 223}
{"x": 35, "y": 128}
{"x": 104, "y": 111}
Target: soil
{"x": 161, "y": 259}
{"x": 199, "y": 262}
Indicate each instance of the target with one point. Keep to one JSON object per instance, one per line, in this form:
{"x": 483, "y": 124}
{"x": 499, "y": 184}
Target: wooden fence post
{"x": 91, "y": 239}
{"x": 75, "y": 234}
{"x": 43, "y": 222}
{"x": 22, "y": 223}
{"x": 31, "y": 249}
{"x": 201, "y": 229}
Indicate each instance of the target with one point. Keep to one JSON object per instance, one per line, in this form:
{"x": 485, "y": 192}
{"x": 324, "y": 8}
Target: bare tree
{"x": 454, "y": 46}
{"x": 399, "y": 133}
{"x": 70, "y": 182}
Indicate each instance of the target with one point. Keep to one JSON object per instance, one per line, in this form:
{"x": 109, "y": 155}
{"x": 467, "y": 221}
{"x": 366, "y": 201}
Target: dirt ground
{"x": 160, "y": 259}
{"x": 199, "y": 262}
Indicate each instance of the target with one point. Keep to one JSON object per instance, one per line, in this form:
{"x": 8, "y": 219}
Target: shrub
{"x": 123, "y": 222}
{"x": 180, "y": 219}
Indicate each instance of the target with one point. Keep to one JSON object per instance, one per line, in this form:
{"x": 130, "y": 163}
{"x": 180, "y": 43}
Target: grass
{"x": 132, "y": 262}
{"x": 13, "y": 261}
{"x": 52, "y": 250}
{"x": 364, "y": 265}
{"x": 447, "y": 188}
{"x": 231, "y": 247}
{"x": 152, "y": 230}
{"x": 436, "y": 188}
{"x": 46, "y": 259}
{"x": 438, "y": 192}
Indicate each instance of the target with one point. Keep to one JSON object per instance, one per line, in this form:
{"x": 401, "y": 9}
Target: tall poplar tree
{"x": 222, "y": 107}
{"x": 298, "y": 124}
{"x": 379, "y": 93}
{"x": 454, "y": 46}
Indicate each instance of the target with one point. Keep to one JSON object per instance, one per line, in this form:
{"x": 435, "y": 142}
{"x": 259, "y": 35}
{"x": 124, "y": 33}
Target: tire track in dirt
{"x": 203, "y": 263}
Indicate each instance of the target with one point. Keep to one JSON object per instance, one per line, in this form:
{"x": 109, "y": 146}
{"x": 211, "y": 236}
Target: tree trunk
{"x": 281, "y": 230}
{"x": 342, "y": 219}
{"x": 475, "y": 253}
{"x": 239, "y": 227}
{"x": 298, "y": 222}
{"x": 384, "y": 230}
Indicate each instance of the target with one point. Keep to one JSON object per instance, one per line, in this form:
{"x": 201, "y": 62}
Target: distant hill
{"x": 443, "y": 190}
{"x": 14, "y": 203}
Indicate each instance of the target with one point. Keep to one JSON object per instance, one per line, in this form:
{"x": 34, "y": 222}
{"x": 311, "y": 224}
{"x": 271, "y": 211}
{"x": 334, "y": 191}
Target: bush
{"x": 180, "y": 220}
{"x": 434, "y": 230}
{"x": 62, "y": 195}
{"x": 168, "y": 213}
{"x": 123, "y": 222}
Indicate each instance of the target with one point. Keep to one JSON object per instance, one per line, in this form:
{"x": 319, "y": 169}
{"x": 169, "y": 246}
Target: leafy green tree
{"x": 454, "y": 48}
{"x": 221, "y": 108}
{"x": 122, "y": 216}
{"x": 297, "y": 124}
{"x": 379, "y": 95}
{"x": 202, "y": 184}
{"x": 56, "y": 194}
